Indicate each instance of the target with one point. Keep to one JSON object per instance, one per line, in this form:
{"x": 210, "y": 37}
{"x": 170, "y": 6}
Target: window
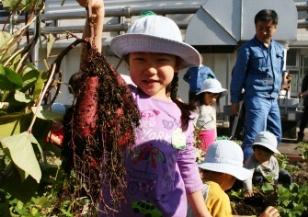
{"x": 291, "y": 58}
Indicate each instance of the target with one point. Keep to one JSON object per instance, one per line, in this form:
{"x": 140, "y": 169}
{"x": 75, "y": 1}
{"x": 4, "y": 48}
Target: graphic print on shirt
{"x": 145, "y": 161}
{"x": 148, "y": 126}
{"x": 151, "y": 164}
{"x": 150, "y": 154}
{"x": 168, "y": 124}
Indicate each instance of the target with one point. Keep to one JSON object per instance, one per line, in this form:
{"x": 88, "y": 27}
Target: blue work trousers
{"x": 261, "y": 114}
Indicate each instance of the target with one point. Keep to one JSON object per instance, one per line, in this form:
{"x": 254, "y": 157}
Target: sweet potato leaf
{"x": 22, "y": 154}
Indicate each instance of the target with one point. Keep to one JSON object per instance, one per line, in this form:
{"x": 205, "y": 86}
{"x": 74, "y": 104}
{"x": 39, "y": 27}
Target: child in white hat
{"x": 223, "y": 164}
{"x": 161, "y": 170}
{"x": 195, "y": 77}
{"x": 207, "y": 99}
{"x": 263, "y": 163}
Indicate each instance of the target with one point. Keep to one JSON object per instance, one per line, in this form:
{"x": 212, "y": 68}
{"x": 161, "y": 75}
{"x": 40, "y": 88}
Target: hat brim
{"x": 238, "y": 172}
{"x": 132, "y": 42}
{"x": 223, "y": 91}
{"x": 275, "y": 150}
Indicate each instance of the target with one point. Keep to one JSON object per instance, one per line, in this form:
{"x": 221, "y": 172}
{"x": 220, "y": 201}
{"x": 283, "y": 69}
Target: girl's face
{"x": 210, "y": 98}
{"x": 152, "y": 72}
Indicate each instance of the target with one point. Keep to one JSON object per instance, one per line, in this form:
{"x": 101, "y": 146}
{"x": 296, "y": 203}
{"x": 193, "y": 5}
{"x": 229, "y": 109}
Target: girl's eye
{"x": 163, "y": 60}
{"x": 214, "y": 95}
{"x": 139, "y": 59}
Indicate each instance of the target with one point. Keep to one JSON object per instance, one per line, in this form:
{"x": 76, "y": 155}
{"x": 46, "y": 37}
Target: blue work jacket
{"x": 258, "y": 70}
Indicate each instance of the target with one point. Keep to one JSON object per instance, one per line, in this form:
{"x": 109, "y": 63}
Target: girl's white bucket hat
{"x": 225, "y": 156}
{"x": 267, "y": 140}
{"x": 156, "y": 34}
{"x": 212, "y": 85}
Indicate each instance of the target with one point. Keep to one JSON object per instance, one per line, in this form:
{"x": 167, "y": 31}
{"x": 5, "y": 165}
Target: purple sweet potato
{"x": 86, "y": 109}
{"x": 102, "y": 126}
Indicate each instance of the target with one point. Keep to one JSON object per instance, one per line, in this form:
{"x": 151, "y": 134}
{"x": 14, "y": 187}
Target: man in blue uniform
{"x": 259, "y": 71}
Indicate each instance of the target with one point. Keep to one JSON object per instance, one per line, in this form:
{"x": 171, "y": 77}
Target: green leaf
{"x": 39, "y": 85}
{"x": 50, "y": 42}
{"x": 22, "y": 154}
{"x": 5, "y": 84}
{"x": 4, "y": 39}
{"x": 10, "y": 4}
{"x": 266, "y": 187}
{"x": 47, "y": 114}
{"x": 8, "y": 45}
{"x": 22, "y": 5}
{"x": 11, "y": 77}
{"x": 29, "y": 78}
{"x": 21, "y": 97}
{"x": 13, "y": 5}
{"x": 34, "y": 211}
{"x": 34, "y": 141}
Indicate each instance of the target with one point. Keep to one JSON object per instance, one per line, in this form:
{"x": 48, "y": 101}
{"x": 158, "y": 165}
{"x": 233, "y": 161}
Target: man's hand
{"x": 302, "y": 94}
{"x": 286, "y": 83}
{"x": 235, "y": 107}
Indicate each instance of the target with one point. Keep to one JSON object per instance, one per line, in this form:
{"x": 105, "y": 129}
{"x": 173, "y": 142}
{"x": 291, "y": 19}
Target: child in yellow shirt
{"x": 223, "y": 164}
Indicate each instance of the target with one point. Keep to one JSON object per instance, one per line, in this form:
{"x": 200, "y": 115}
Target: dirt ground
{"x": 248, "y": 207}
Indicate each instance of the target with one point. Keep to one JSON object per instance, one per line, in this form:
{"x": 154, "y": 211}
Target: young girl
{"x": 206, "y": 120}
{"x": 161, "y": 169}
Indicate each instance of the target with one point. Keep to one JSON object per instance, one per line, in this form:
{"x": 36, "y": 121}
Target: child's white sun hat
{"x": 212, "y": 85}
{"x": 156, "y": 34}
{"x": 267, "y": 140}
{"x": 226, "y": 156}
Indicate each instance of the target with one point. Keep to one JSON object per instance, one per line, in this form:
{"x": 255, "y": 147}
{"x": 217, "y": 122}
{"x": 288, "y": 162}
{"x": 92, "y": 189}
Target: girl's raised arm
{"x": 95, "y": 22}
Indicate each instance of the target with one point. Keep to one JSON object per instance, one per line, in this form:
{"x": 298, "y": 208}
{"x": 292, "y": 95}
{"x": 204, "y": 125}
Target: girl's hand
{"x": 93, "y": 27}
{"x": 56, "y": 134}
{"x": 96, "y": 5}
{"x": 248, "y": 193}
{"x": 270, "y": 212}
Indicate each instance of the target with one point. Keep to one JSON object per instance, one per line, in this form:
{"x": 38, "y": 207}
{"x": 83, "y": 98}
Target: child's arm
{"x": 97, "y": 20}
{"x": 248, "y": 187}
{"x": 191, "y": 177}
{"x": 247, "y": 184}
{"x": 197, "y": 203}
{"x": 275, "y": 168}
